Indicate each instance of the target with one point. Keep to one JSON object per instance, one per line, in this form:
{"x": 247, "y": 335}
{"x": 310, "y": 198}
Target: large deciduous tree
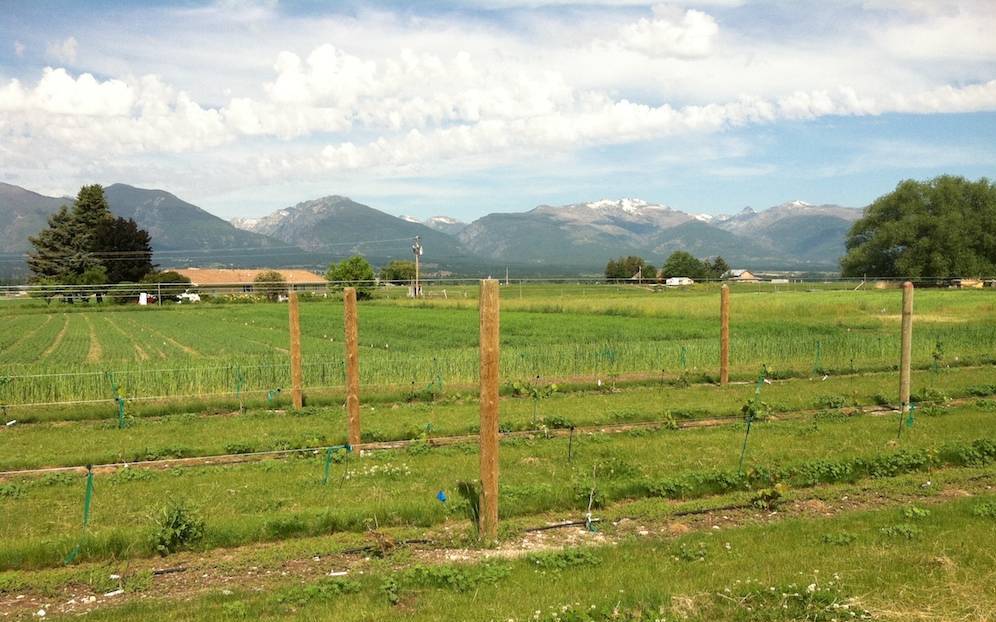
{"x": 353, "y": 272}
{"x": 681, "y": 263}
{"x": 627, "y": 267}
{"x": 398, "y": 271}
{"x": 945, "y": 227}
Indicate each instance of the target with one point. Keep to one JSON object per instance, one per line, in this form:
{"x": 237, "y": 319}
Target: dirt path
{"x": 260, "y": 567}
{"x": 58, "y": 338}
{"x": 96, "y": 351}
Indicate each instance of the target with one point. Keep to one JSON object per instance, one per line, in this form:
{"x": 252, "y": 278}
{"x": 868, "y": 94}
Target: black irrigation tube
{"x": 441, "y": 441}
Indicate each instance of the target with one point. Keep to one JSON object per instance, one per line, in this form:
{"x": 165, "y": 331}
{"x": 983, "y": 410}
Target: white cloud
{"x": 377, "y": 93}
{"x": 19, "y": 49}
{"x": 63, "y": 51}
{"x": 670, "y": 33}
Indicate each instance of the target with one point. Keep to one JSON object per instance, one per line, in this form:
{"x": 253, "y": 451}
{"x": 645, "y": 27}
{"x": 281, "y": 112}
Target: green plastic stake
{"x": 750, "y": 414}
{"x": 121, "y": 412}
{"x": 118, "y": 399}
{"x": 87, "y": 501}
{"x": 683, "y": 357}
{"x": 909, "y": 418}
{"x": 240, "y": 382}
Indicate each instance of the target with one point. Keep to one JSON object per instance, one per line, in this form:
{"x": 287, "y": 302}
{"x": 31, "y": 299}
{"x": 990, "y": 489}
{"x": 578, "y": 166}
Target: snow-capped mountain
{"x": 626, "y": 217}
{"x": 446, "y": 224}
{"x": 340, "y": 226}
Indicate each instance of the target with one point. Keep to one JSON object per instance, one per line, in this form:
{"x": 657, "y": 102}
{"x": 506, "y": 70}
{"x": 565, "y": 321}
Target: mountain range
{"x": 568, "y": 239}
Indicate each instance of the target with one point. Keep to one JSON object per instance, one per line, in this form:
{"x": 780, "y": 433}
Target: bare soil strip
{"x": 96, "y": 351}
{"x": 185, "y": 576}
{"x": 58, "y": 338}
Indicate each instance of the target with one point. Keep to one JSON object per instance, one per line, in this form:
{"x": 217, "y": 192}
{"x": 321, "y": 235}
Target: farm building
{"x": 739, "y": 275}
{"x": 208, "y": 277}
{"x": 967, "y": 283}
{"x": 678, "y": 281}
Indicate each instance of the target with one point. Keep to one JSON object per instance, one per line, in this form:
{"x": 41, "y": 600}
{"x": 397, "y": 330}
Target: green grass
{"x": 629, "y": 339}
{"x": 67, "y": 443}
{"x": 568, "y": 331}
{"x": 784, "y": 571}
{"x": 279, "y": 499}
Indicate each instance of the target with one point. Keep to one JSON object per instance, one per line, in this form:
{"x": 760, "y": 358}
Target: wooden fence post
{"x": 489, "y": 302}
{"x": 907, "y": 349}
{"x": 724, "y": 335}
{"x": 352, "y": 365}
{"x": 297, "y": 396}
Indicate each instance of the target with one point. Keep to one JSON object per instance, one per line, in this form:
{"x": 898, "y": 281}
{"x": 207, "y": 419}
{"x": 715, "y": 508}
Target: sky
{"x": 465, "y": 108}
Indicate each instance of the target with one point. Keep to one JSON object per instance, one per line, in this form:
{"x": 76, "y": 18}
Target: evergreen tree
{"x": 51, "y": 258}
{"x": 716, "y": 268}
{"x": 125, "y": 250}
{"x": 87, "y": 238}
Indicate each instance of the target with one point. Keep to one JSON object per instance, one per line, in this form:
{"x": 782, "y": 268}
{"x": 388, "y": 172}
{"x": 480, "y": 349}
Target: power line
{"x": 129, "y": 255}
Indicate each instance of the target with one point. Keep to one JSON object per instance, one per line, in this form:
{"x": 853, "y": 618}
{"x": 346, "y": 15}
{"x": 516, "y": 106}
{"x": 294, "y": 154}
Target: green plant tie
{"x": 272, "y": 395}
{"x": 329, "y": 457}
{"x": 87, "y": 501}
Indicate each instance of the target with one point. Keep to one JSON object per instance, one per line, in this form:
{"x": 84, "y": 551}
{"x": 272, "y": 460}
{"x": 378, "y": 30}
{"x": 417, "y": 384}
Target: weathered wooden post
{"x": 489, "y": 303}
{"x": 297, "y": 397}
{"x": 907, "y": 348}
{"x": 724, "y": 335}
{"x": 352, "y": 365}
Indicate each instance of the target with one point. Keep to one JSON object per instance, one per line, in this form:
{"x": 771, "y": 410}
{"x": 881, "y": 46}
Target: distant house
{"x": 206, "y": 277}
{"x": 678, "y": 281}
{"x": 739, "y": 275}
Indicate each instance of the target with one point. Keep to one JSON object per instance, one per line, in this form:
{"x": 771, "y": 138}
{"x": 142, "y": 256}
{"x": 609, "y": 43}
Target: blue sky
{"x": 463, "y": 108}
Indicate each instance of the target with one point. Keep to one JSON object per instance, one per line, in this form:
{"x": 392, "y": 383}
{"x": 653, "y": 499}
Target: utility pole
{"x": 506, "y": 276}
{"x": 417, "y": 251}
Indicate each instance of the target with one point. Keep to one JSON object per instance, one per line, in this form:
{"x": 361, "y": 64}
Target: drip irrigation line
{"x": 438, "y": 441}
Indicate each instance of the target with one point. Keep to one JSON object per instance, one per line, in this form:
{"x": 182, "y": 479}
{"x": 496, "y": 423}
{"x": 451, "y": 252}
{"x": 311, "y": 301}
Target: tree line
{"x": 679, "y": 263}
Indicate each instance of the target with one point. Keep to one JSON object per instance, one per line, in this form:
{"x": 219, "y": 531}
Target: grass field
{"x": 53, "y": 354}
{"x": 841, "y": 510}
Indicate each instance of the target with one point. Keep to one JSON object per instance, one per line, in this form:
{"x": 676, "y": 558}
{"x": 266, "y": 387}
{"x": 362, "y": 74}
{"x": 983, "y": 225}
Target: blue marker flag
{"x": 441, "y": 495}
